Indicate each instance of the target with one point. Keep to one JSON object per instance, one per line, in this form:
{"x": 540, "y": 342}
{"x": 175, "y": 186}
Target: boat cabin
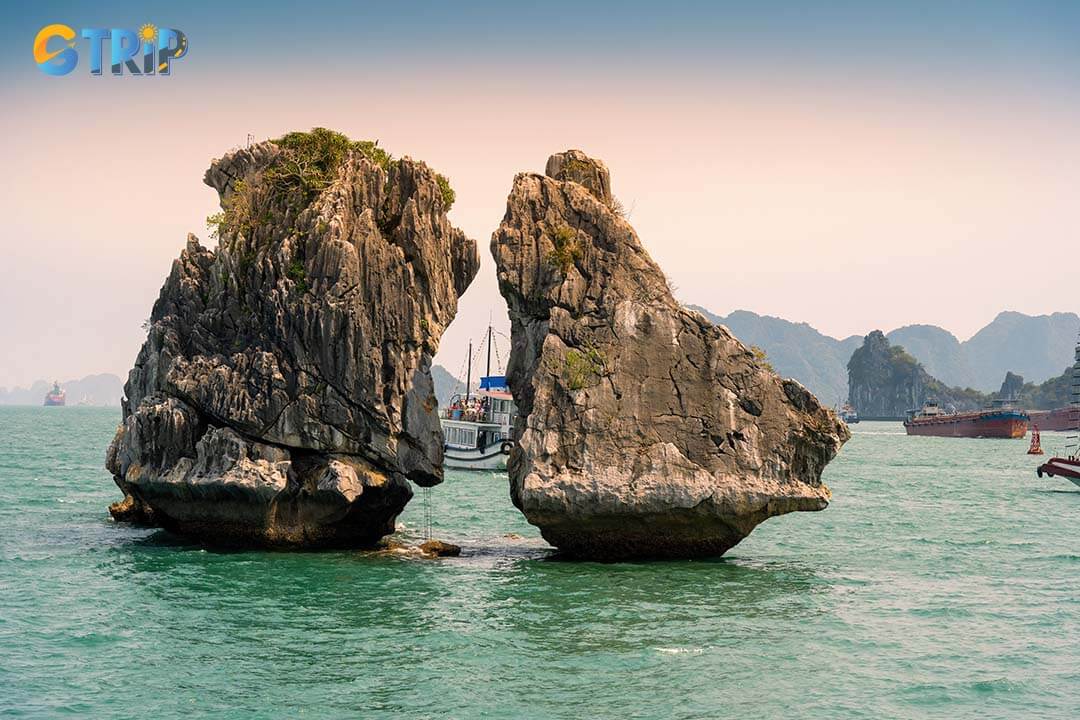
{"x": 929, "y": 409}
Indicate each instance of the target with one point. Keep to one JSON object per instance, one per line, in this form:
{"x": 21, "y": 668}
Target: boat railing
{"x": 477, "y": 415}
{"x": 465, "y": 414}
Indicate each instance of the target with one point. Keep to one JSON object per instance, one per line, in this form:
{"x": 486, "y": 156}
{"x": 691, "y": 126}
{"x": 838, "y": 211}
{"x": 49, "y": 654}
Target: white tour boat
{"x": 477, "y": 425}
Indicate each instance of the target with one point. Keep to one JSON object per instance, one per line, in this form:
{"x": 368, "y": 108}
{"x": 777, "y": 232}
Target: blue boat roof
{"x": 492, "y": 382}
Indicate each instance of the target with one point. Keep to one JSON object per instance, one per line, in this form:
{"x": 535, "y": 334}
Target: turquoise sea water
{"x": 943, "y": 581}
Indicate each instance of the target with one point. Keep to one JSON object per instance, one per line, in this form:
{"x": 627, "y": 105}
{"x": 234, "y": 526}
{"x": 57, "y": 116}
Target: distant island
{"x": 1032, "y": 349}
{"x": 107, "y": 389}
{"x": 446, "y": 385}
{"x": 102, "y": 390}
{"x": 886, "y": 382}
{"x": 1037, "y": 348}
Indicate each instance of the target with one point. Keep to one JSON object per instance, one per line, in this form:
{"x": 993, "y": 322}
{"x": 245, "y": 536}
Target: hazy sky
{"x": 852, "y": 165}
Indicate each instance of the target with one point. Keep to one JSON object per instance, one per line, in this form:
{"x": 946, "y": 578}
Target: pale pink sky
{"x": 851, "y": 205}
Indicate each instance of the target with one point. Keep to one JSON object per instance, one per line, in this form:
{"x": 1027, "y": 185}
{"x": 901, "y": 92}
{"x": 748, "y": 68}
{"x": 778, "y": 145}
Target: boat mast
{"x": 468, "y": 374}
{"x": 488, "y": 373}
{"x": 1073, "y": 441}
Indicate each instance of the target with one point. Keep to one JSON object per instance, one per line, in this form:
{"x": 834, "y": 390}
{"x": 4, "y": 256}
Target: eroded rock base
{"x": 283, "y": 396}
{"x": 643, "y": 430}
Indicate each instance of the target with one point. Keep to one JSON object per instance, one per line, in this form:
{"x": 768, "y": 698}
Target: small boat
{"x": 848, "y": 414}
{"x": 56, "y": 397}
{"x": 1000, "y": 420}
{"x": 1068, "y": 464}
{"x": 477, "y": 426}
{"x": 1067, "y": 467}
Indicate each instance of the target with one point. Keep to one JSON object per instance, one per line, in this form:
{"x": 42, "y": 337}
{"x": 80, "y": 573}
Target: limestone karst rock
{"x": 283, "y": 395}
{"x": 886, "y": 382}
{"x": 643, "y": 429}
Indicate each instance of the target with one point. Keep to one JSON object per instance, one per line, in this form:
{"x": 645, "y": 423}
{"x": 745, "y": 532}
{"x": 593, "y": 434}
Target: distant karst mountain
{"x": 446, "y": 385}
{"x": 939, "y": 351}
{"x": 104, "y": 389}
{"x": 885, "y": 382}
{"x": 1054, "y": 393}
{"x": 1037, "y": 347}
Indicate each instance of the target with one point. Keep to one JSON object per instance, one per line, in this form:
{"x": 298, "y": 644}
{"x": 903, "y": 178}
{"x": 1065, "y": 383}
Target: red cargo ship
{"x": 1058, "y": 419}
{"x": 997, "y": 421}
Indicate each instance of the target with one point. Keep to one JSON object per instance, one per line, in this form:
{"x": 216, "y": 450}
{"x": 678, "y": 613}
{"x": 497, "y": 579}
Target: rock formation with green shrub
{"x": 283, "y": 395}
{"x": 643, "y": 429}
{"x": 885, "y": 382}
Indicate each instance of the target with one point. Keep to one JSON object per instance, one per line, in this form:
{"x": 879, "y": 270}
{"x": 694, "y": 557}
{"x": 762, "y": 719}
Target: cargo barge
{"x": 997, "y": 421}
{"x": 1059, "y": 419}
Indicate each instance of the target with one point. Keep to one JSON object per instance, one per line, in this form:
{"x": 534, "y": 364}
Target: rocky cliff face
{"x": 283, "y": 394}
{"x": 884, "y": 381}
{"x": 1054, "y": 393}
{"x": 643, "y": 429}
{"x": 794, "y": 350}
{"x": 1011, "y": 386}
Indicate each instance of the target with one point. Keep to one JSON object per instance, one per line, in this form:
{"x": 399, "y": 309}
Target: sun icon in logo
{"x": 148, "y": 33}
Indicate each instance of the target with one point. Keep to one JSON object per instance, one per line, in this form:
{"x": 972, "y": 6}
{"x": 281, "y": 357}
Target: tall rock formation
{"x": 1011, "y": 386}
{"x": 1057, "y": 392}
{"x": 283, "y": 395}
{"x": 885, "y": 382}
{"x": 643, "y": 429}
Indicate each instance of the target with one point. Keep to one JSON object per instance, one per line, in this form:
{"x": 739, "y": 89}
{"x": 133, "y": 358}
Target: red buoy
{"x": 1036, "y": 445}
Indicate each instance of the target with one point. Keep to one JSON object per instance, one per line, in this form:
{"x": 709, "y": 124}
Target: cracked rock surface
{"x": 283, "y": 395}
{"x": 643, "y": 429}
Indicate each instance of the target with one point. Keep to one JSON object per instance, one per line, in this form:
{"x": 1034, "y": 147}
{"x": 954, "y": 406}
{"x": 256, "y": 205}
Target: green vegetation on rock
{"x": 762, "y": 358}
{"x": 298, "y": 275}
{"x": 582, "y": 368}
{"x": 310, "y": 160}
{"x": 238, "y": 214}
{"x": 567, "y": 248}
{"x": 448, "y": 194}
